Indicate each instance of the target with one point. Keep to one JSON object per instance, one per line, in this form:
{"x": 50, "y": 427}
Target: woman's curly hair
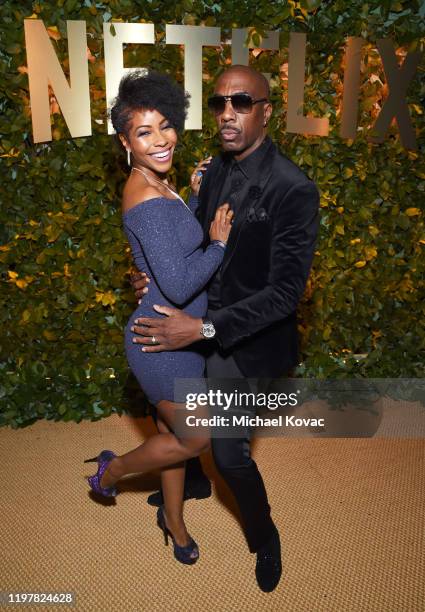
{"x": 149, "y": 90}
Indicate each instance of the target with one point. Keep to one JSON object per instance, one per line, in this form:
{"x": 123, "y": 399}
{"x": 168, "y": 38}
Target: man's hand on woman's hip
{"x": 169, "y": 333}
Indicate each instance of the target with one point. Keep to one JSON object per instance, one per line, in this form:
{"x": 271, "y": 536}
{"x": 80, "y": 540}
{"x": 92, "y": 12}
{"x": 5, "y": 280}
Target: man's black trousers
{"x": 233, "y": 459}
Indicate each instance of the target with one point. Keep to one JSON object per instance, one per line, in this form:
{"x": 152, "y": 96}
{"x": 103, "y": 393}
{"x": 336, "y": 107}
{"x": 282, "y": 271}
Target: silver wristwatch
{"x": 208, "y": 329}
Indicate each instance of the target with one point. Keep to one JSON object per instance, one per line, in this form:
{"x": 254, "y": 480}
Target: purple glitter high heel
{"x": 184, "y": 554}
{"x": 103, "y": 460}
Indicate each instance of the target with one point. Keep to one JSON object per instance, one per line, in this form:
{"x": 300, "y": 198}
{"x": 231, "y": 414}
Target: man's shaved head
{"x": 257, "y": 79}
{"x": 242, "y": 132}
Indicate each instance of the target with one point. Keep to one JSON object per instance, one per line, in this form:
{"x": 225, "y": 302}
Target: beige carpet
{"x": 350, "y": 513}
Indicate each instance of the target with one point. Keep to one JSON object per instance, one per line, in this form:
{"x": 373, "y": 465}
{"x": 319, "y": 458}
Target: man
{"x": 251, "y": 324}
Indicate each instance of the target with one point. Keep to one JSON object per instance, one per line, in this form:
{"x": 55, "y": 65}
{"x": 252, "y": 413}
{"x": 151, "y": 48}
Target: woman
{"x": 165, "y": 239}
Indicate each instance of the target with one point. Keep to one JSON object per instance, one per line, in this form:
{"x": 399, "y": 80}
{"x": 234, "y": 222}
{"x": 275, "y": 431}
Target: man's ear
{"x": 268, "y": 109}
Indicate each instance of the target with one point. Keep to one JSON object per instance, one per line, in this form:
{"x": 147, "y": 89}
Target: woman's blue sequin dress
{"x": 165, "y": 239}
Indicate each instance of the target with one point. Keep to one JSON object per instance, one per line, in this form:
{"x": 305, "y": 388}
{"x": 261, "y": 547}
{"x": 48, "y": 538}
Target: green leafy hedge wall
{"x": 64, "y": 260}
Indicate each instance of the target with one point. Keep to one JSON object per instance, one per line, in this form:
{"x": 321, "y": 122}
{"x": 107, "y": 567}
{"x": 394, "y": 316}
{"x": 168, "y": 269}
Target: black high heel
{"x": 181, "y": 553}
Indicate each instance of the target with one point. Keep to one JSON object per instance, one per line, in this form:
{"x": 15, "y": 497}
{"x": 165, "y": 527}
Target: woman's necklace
{"x": 163, "y": 184}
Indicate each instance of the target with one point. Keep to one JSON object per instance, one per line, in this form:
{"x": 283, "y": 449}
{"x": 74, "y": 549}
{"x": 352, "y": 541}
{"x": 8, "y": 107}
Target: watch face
{"x": 208, "y": 330}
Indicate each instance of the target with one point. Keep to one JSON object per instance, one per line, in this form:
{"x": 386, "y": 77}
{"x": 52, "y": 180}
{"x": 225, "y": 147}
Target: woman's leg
{"x": 159, "y": 451}
{"x": 172, "y": 484}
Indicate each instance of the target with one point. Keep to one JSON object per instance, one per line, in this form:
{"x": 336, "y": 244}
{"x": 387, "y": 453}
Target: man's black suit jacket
{"x": 266, "y": 263}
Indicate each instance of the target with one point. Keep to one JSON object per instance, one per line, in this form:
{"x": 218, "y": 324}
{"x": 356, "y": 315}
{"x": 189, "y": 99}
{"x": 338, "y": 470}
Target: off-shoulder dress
{"x": 165, "y": 240}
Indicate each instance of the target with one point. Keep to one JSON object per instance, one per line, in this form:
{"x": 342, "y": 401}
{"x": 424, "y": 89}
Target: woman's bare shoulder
{"x": 134, "y": 194}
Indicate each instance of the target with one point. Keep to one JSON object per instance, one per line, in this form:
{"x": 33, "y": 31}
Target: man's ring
{"x": 153, "y": 340}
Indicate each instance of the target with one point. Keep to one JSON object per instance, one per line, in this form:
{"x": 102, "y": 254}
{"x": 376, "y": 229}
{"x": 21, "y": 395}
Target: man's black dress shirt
{"x": 237, "y": 175}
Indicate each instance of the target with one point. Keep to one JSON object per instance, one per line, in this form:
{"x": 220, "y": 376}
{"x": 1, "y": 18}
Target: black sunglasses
{"x": 241, "y": 103}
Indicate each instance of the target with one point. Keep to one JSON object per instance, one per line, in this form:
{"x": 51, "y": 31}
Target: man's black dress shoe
{"x": 268, "y": 569}
{"x": 201, "y": 489}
